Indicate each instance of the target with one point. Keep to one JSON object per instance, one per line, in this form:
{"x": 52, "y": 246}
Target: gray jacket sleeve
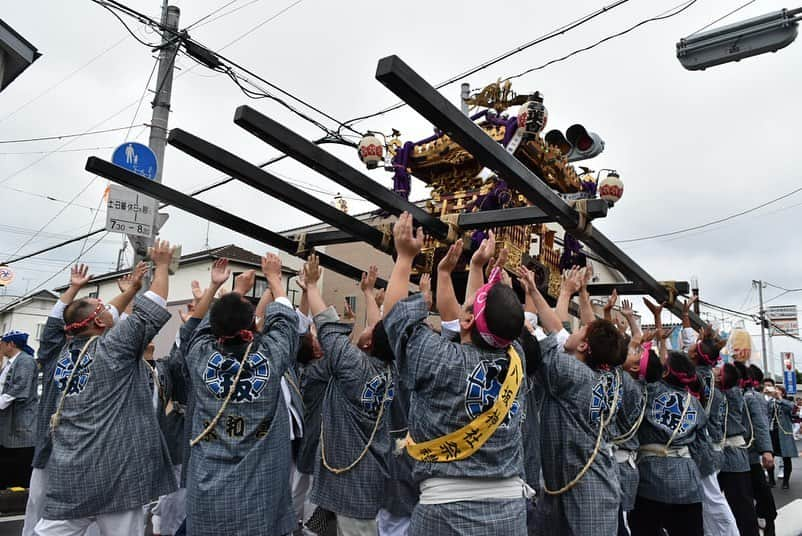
{"x": 126, "y": 341}
{"x": 760, "y": 423}
{"x": 52, "y": 341}
{"x": 20, "y": 378}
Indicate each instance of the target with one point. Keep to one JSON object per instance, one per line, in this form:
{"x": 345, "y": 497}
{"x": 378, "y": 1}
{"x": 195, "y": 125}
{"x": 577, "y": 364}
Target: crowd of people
{"x": 266, "y": 419}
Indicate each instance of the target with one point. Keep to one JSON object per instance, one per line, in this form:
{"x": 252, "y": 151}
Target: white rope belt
{"x": 449, "y": 490}
{"x": 626, "y": 456}
{"x": 735, "y": 441}
{"x": 660, "y": 451}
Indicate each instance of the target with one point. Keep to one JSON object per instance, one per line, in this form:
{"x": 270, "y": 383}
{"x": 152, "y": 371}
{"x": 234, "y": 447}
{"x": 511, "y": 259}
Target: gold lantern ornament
{"x": 371, "y": 150}
{"x": 611, "y": 188}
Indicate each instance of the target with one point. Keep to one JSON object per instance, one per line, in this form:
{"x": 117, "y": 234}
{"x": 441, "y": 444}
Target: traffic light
{"x": 734, "y": 42}
{"x": 577, "y": 143}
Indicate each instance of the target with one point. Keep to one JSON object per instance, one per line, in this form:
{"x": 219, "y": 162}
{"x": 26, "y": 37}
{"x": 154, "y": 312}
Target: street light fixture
{"x": 734, "y": 42}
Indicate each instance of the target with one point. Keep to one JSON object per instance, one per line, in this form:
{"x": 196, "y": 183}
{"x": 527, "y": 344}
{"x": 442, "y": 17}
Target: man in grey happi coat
{"x": 734, "y": 477}
{"x": 355, "y": 427}
{"x": 441, "y": 376}
{"x": 18, "y": 403}
{"x": 239, "y": 470}
{"x": 108, "y": 457}
{"x": 782, "y": 433}
{"x": 669, "y": 491}
{"x": 761, "y": 451}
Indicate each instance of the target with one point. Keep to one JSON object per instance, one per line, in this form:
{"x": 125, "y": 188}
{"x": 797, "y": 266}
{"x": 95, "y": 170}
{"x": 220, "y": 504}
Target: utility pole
{"x": 161, "y": 112}
{"x": 762, "y": 322}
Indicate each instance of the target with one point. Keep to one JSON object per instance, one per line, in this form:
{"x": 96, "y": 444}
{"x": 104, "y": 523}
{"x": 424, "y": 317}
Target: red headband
{"x": 688, "y": 380}
{"x": 79, "y": 326}
{"x": 746, "y": 383}
{"x": 705, "y": 357}
{"x": 479, "y": 305}
{"x": 244, "y": 335}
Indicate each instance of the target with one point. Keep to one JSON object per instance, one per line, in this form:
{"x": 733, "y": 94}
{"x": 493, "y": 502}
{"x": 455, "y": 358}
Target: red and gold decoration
{"x": 611, "y": 188}
{"x": 371, "y": 151}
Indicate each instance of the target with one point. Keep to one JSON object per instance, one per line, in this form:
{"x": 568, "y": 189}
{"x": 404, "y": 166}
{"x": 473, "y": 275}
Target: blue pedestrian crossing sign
{"x": 136, "y": 157}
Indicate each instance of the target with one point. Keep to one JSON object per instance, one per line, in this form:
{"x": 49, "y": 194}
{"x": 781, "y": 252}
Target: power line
{"x": 82, "y": 149}
{"x": 545, "y": 37}
{"x": 676, "y": 10}
{"x": 59, "y": 213}
{"x": 63, "y": 136}
{"x": 227, "y": 13}
{"x": 714, "y": 222}
{"x": 73, "y": 73}
{"x": 737, "y": 9}
{"x": 130, "y": 31}
{"x": 214, "y": 12}
{"x": 270, "y": 18}
{"x": 142, "y": 98}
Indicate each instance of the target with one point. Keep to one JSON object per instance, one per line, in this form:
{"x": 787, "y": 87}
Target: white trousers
{"x": 36, "y": 501}
{"x": 128, "y": 523}
{"x": 716, "y": 514}
{"x": 348, "y": 526}
{"x": 301, "y": 488}
{"x": 390, "y": 525}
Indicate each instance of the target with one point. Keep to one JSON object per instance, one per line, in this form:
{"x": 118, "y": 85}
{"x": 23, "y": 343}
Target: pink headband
{"x": 705, "y": 357}
{"x": 644, "y": 360}
{"x": 690, "y": 381}
{"x": 479, "y": 305}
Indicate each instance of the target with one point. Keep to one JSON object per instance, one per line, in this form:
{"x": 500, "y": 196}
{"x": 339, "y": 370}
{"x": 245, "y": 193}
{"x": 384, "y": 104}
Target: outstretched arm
{"x": 129, "y": 285}
{"x": 548, "y": 318}
{"x": 608, "y": 308}
{"x": 480, "y": 257}
{"x": 368, "y": 287}
{"x": 408, "y": 244}
{"x": 447, "y": 304}
{"x": 586, "y": 314}
{"x": 660, "y": 334}
{"x": 571, "y": 284}
{"x": 634, "y": 328}
{"x": 219, "y": 275}
{"x": 312, "y": 273}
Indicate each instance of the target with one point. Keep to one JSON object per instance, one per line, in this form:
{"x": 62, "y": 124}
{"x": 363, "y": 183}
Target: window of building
{"x": 259, "y": 286}
{"x": 351, "y": 300}
{"x": 40, "y": 328}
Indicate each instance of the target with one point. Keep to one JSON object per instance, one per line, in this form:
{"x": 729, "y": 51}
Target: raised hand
{"x": 197, "y": 291}
{"x": 79, "y": 275}
{"x": 449, "y": 262}
{"x": 501, "y": 261}
{"x": 379, "y": 297}
{"x": 407, "y": 242}
{"x": 527, "y": 279}
{"x": 653, "y": 307}
{"x": 301, "y": 282}
{"x": 485, "y": 251}
{"x": 611, "y": 302}
{"x": 271, "y": 267}
{"x": 368, "y": 282}
{"x": 425, "y": 285}
{"x": 688, "y": 304}
{"x": 133, "y": 279}
{"x": 572, "y": 281}
{"x": 587, "y": 276}
{"x": 161, "y": 253}
{"x": 244, "y": 282}
{"x": 648, "y": 335}
{"x": 626, "y": 308}
{"x": 220, "y": 274}
{"x": 312, "y": 270}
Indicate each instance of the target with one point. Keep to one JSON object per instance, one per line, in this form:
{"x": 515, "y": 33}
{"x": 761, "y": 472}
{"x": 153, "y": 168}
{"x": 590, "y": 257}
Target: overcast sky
{"x": 691, "y": 147}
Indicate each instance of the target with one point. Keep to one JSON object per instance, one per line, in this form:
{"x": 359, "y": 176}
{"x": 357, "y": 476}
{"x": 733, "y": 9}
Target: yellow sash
{"x": 464, "y": 442}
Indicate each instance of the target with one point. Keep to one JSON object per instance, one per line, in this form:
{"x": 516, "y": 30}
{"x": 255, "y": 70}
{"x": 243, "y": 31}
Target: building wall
{"x": 29, "y": 318}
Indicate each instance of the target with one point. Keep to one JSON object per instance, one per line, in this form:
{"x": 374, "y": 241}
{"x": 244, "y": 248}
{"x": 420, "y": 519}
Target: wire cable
{"x": 82, "y": 149}
{"x": 227, "y": 13}
{"x": 214, "y": 12}
{"x": 54, "y": 86}
{"x": 63, "y": 136}
{"x": 130, "y": 31}
{"x": 714, "y": 222}
{"x": 736, "y": 10}
{"x": 545, "y": 37}
{"x": 674, "y": 11}
{"x": 142, "y": 98}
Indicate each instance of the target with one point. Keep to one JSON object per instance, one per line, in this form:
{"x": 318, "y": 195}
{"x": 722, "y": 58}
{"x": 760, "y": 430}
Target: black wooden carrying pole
{"x": 215, "y": 215}
{"x": 312, "y": 156}
{"x": 631, "y": 289}
{"x": 268, "y": 183}
{"x": 597, "y": 208}
{"x": 427, "y": 101}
